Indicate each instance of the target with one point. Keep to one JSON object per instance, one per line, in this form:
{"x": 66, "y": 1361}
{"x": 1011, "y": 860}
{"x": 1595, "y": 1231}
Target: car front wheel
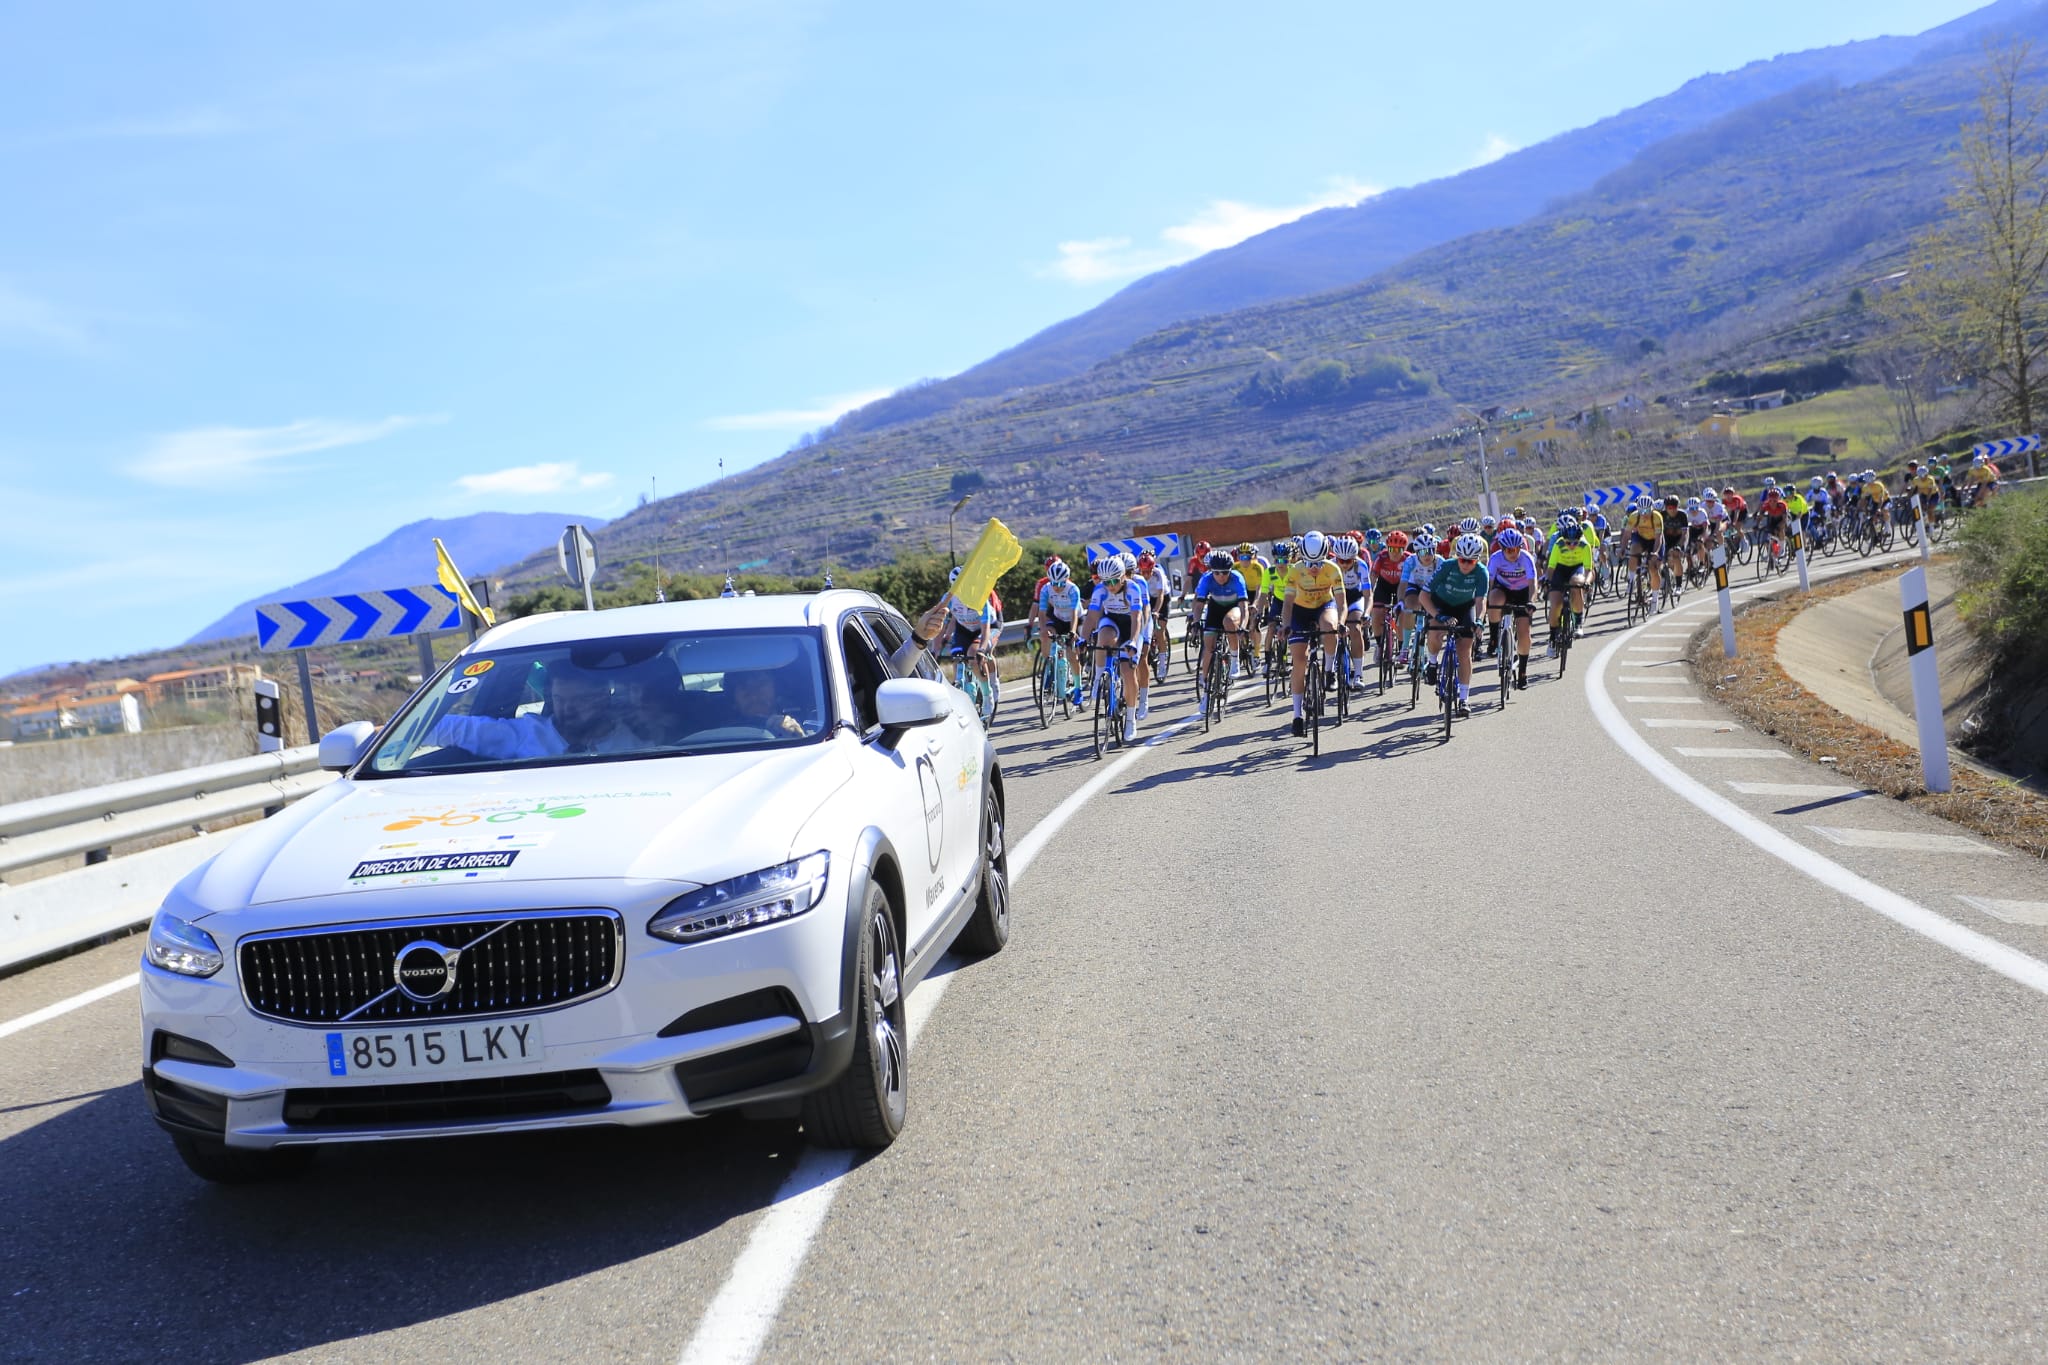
{"x": 866, "y": 1106}
{"x": 988, "y": 929}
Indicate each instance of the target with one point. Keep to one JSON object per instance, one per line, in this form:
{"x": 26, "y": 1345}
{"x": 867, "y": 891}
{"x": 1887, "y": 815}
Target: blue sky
{"x": 277, "y": 279}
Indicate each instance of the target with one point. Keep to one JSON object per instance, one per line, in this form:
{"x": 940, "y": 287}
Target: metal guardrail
{"x": 93, "y": 821}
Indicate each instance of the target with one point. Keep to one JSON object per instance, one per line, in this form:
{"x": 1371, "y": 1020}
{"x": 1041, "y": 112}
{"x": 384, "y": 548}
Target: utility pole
{"x": 951, "y": 553}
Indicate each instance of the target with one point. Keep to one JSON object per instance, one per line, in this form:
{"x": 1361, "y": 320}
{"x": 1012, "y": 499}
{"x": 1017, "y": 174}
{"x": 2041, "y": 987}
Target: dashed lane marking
{"x": 2012, "y": 912}
{"x": 1667, "y": 723}
{"x": 1732, "y": 753}
{"x": 1811, "y": 791}
{"x": 1667, "y": 701}
{"x": 1904, "y": 840}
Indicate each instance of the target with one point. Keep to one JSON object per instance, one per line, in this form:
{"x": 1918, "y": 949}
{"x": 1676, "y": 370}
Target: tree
{"x": 1975, "y": 299}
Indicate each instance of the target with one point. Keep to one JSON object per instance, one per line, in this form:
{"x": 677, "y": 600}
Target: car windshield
{"x": 643, "y": 696}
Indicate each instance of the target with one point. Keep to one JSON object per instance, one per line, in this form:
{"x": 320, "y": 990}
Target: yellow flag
{"x": 992, "y": 556}
{"x": 452, "y": 579}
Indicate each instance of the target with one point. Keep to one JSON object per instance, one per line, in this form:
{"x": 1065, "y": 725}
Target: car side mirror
{"x": 903, "y": 704}
{"x": 341, "y": 748}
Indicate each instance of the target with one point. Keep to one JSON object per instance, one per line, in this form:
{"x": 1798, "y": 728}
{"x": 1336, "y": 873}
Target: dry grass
{"x": 1764, "y": 695}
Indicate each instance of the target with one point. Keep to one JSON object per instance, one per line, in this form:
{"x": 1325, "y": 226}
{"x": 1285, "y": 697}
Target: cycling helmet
{"x": 1693, "y": 505}
{"x": 1113, "y": 570}
{"x": 1976, "y": 461}
{"x": 1567, "y": 523}
{"x": 1870, "y": 476}
{"x": 1816, "y": 482}
{"x": 1429, "y": 530}
{"x": 1571, "y": 531}
{"x": 953, "y": 577}
{"x": 1708, "y": 493}
{"x": 1058, "y": 572}
{"x": 1219, "y": 561}
{"x": 1314, "y": 547}
{"x": 1146, "y": 563}
{"x": 1468, "y": 525}
{"x": 1344, "y": 548}
{"x": 1469, "y": 546}
{"x": 1487, "y": 524}
{"x": 1397, "y": 541}
{"x": 1769, "y": 484}
{"x": 1282, "y": 552}
{"x": 1202, "y": 548}
{"x": 1509, "y": 539}
{"x": 1373, "y": 538}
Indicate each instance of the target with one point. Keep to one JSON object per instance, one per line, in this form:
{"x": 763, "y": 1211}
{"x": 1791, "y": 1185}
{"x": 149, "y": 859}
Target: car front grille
{"x": 505, "y": 964}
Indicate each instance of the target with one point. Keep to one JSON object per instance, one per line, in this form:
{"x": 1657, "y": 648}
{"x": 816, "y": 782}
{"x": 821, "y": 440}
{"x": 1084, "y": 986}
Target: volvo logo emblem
{"x": 425, "y": 971}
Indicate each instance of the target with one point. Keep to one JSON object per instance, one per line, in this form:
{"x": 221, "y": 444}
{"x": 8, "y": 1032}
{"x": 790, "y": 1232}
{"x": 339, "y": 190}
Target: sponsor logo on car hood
{"x": 681, "y": 820}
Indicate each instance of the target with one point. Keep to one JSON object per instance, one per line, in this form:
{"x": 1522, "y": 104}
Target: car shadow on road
{"x": 113, "y": 1251}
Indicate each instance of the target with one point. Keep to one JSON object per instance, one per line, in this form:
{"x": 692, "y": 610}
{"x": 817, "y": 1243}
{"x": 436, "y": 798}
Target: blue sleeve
{"x": 1098, "y": 597}
{"x": 1202, "y": 586}
{"x": 1243, "y": 590}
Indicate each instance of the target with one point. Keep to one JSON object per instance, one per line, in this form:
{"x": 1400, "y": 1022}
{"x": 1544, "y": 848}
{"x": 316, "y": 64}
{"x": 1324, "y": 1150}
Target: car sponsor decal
{"x": 498, "y": 810}
{"x": 452, "y": 818}
{"x": 479, "y": 668}
{"x": 427, "y": 862}
{"x": 461, "y": 685}
{"x": 969, "y": 770}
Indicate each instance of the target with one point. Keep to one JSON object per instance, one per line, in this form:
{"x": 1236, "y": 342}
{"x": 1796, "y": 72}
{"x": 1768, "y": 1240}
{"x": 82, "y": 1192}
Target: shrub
{"x": 2004, "y": 568}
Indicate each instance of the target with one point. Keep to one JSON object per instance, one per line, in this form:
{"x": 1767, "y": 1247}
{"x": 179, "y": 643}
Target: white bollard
{"x": 1920, "y": 530}
{"x": 1799, "y": 552}
{"x": 1926, "y": 680}
{"x": 1727, "y": 607}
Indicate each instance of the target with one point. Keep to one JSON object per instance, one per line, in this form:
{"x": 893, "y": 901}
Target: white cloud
{"x": 798, "y": 419}
{"x": 1496, "y": 147}
{"x": 34, "y": 320}
{"x": 209, "y": 456}
{"x": 1221, "y": 223}
{"x": 532, "y": 480}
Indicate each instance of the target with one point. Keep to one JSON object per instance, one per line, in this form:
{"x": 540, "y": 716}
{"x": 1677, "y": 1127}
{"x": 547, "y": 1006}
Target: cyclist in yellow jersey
{"x": 1570, "y": 568}
{"x": 1314, "y": 588}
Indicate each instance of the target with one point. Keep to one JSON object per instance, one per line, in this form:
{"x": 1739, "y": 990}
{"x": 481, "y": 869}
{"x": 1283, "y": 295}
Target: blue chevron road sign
{"x": 1998, "y": 450}
{"x": 356, "y": 616}
{"x": 1164, "y": 547}
{"x": 1628, "y": 492}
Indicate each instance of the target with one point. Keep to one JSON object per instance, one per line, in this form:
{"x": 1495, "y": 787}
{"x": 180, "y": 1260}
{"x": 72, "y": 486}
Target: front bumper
{"x": 688, "y": 1030}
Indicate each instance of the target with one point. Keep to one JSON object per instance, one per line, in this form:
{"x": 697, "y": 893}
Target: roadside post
{"x": 269, "y": 717}
{"x": 1799, "y": 553}
{"x": 351, "y": 617}
{"x": 1727, "y": 606}
{"x": 1926, "y": 681}
{"x": 578, "y": 556}
{"x": 1920, "y": 530}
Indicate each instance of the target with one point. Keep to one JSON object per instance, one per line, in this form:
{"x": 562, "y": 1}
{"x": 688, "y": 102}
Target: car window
{"x": 645, "y": 696}
{"x": 893, "y": 632}
{"x": 865, "y": 671}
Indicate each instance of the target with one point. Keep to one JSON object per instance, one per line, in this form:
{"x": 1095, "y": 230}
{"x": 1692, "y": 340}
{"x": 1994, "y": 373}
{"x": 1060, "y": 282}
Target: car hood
{"x": 684, "y": 820}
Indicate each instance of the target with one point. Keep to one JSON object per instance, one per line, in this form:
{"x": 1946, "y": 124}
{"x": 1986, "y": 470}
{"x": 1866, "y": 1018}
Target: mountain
{"x": 1336, "y": 247}
{"x": 480, "y": 544}
{"x": 1764, "y": 223}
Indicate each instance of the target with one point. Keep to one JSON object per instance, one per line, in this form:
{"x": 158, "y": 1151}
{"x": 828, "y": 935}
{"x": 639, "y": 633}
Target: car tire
{"x": 211, "y": 1159}
{"x": 865, "y": 1107}
{"x": 988, "y": 928}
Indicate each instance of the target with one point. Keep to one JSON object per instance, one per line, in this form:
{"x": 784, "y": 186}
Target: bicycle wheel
{"x": 1415, "y": 672}
{"x": 1507, "y": 658}
{"x": 1042, "y": 683}
{"x": 1312, "y": 699}
{"x": 1276, "y": 675}
{"x": 1567, "y": 625}
{"x": 1447, "y": 679}
{"x": 1102, "y": 714}
{"x": 1343, "y": 681}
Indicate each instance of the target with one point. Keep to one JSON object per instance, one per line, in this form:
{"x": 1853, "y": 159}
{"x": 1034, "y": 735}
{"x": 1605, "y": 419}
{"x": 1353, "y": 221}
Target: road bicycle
{"x": 1447, "y": 667}
{"x": 1313, "y": 677}
{"x": 1110, "y": 701}
{"x": 1418, "y": 646}
{"x": 1191, "y": 642}
{"x": 1216, "y": 682}
{"x": 1770, "y": 557}
{"x": 1384, "y": 648}
{"x": 986, "y": 694}
{"x": 1637, "y": 610}
{"x": 1564, "y": 632}
{"x": 1159, "y": 649}
{"x": 1508, "y": 638}
{"x": 1052, "y": 683}
{"x": 1274, "y": 667}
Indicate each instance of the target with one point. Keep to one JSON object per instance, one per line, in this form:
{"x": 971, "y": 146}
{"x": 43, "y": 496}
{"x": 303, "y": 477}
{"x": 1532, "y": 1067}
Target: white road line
{"x": 1667, "y": 701}
{"x": 1908, "y": 914}
{"x": 1809, "y": 790}
{"x": 79, "y": 1001}
{"x": 1667, "y": 723}
{"x": 2012, "y": 912}
{"x": 1731, "y": 753}
{"x": 1904, "y": 840}
{"x": 1648, "y": 680}
{"x": 738, "y": 1321}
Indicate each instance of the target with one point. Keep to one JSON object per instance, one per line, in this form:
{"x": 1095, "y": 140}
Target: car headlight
{"x": 183, "y": 948}
{"x": 774, "y": 893}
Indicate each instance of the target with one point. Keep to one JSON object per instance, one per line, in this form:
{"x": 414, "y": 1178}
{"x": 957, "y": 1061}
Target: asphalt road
{"x": 1500, "y": 1048}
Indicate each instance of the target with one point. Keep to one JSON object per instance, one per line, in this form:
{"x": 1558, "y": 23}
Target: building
{"x": 1829, "y": 446}
{"x": 1764, "y": 402}
{"x": 198, "y": 686}
{"x": 102, "y": 713}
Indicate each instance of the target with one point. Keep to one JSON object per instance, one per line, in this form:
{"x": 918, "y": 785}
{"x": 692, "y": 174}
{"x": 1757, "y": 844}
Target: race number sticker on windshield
{"x": 461, "y": 685}
{"x": 479, "y": 668}
{"x": 456, "y": 858}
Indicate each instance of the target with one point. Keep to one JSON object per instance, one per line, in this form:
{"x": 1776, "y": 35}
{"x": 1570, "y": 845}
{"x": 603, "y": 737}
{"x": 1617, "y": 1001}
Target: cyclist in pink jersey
{"x": 1512, "y": 571}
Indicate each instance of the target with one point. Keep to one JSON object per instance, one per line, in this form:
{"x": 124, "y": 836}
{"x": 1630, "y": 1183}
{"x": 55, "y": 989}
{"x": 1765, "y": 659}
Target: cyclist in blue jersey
{"x": 1221, "y": 601}
{"x": 1057, "y": 611}
{"x": 1115, "y": 623}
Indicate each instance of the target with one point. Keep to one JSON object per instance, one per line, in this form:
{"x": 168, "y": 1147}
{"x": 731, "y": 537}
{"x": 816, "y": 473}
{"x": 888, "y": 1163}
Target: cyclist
{"x": 1770, "y": 509}
{"x": 1569, "y": 565}
{"x": 1817, "y": 504}
{"x": 1115, "y": 622}
{"x": 1158, "y": 592}
{"x": 1452, "y": 596}
{"x": 1738, "y": 508}
{"x": 1357, "y": 571}
{"x": 1313, "y": 588}
{"x": 1645, "y": 532}
{"x": 1876, "y": 497}
{"x": 1416, "y": 571}
{"x": 1796, "y": 508}
{"x": 1920, "y": 480}
{"x": 1696, "y": 527}
{"x": 1676, "y": 531}
{"x": 974, "y": 634}
{"x": 1981, "y": 480}
{"x": 1221, "y": 598}
{"x": 1387, "y": 562}
{"x": 1056, "y": 612}
{"x": 1717, "y": 518}
{"x": 1265, "y": 580}
{"x": 1512, "y": 573}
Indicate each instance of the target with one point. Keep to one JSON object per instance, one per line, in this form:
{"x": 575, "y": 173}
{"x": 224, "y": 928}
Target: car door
{"x": 902, "y": 786}
{"x": 957, "y": 763}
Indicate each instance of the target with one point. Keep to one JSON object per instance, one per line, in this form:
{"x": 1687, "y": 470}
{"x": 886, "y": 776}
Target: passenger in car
{"x": 755, "y": 703}
{"x": 587, "y": 711}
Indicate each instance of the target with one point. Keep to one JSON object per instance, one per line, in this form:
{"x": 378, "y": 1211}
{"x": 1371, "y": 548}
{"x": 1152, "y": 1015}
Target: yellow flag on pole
{"x": 452, "y": 579}
{"x": 992, "y": 556}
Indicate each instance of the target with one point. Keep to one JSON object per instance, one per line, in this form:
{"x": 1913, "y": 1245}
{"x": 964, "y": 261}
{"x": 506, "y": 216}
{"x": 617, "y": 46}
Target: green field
{"x": 1864, "y": 415}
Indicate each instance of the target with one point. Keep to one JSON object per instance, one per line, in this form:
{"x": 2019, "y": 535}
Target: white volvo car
{"x": 615, "y": 868}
